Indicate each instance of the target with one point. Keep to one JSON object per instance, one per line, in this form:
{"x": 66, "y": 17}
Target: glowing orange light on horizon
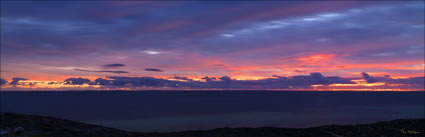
{"x": 354, "y": 85}
{"x": 363, "y": 85}
{"x": 32, "y": 84}
{"x": 358, "y": 85}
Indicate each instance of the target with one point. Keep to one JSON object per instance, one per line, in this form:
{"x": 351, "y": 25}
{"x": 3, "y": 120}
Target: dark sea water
{"x": 166, "y": 111}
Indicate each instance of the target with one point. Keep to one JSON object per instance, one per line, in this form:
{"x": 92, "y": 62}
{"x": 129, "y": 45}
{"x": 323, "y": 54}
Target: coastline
{"x": 20, "y": 125}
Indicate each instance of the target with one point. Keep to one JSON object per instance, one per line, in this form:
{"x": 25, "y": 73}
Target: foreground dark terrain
{"x": 18, "y": 125}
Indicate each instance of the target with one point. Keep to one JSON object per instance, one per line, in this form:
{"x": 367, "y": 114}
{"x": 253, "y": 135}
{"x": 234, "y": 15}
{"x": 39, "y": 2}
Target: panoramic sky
{"x": 212, "y": 45}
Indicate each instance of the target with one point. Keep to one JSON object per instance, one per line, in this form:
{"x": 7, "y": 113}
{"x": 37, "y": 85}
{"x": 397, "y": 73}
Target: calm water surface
{"x": 166, "y": 111}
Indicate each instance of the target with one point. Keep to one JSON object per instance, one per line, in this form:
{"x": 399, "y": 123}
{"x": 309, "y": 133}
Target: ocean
{"x": 168, "y": 111}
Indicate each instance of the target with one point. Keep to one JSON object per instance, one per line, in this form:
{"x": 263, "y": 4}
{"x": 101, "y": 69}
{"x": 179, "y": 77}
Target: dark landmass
{"x": 18, "y": 125}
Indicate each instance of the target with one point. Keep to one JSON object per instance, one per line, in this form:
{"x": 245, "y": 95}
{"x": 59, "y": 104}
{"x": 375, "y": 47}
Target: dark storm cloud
{"x": 225, "y": 78}
{"x": 206, "y": 78}
{"x": 101, "y": 81}
{"x": 182, "y": 78}
{"x": 113, "y": 65}
{"x": 368, "y": 78}
{"x": 225, "y": 82}
{"x": 412, "y": 82}
{"x": 276, "y": 76}
{"x": 77, "y": 81}
{"x": 138, "y": 81}
{"x": 153, "y": 69}
{"x": 117, "y": 72}
{"x": 101, "y": 71}
{"x": 316, "y": 79}
{"x": 15, "y": 80}
{"x": 2, "y": 81}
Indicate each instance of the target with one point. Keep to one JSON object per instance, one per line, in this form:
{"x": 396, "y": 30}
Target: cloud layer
{"x": 187, "y": 40}
{"x": 153, "y": 69}
{"x": 101, "y": 71}
{"x": 16, "y": 80}
{"x": 113, "y": 65}
{"x": 225, "y": 82}
{"x": 2, "y": 81}
{"x": 314, "y": 81}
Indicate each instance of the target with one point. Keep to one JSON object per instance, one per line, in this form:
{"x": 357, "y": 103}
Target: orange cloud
{"x": 317, "y": 59}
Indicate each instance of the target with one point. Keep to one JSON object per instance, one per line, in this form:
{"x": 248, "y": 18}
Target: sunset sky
{"x": 212, "y": 45}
